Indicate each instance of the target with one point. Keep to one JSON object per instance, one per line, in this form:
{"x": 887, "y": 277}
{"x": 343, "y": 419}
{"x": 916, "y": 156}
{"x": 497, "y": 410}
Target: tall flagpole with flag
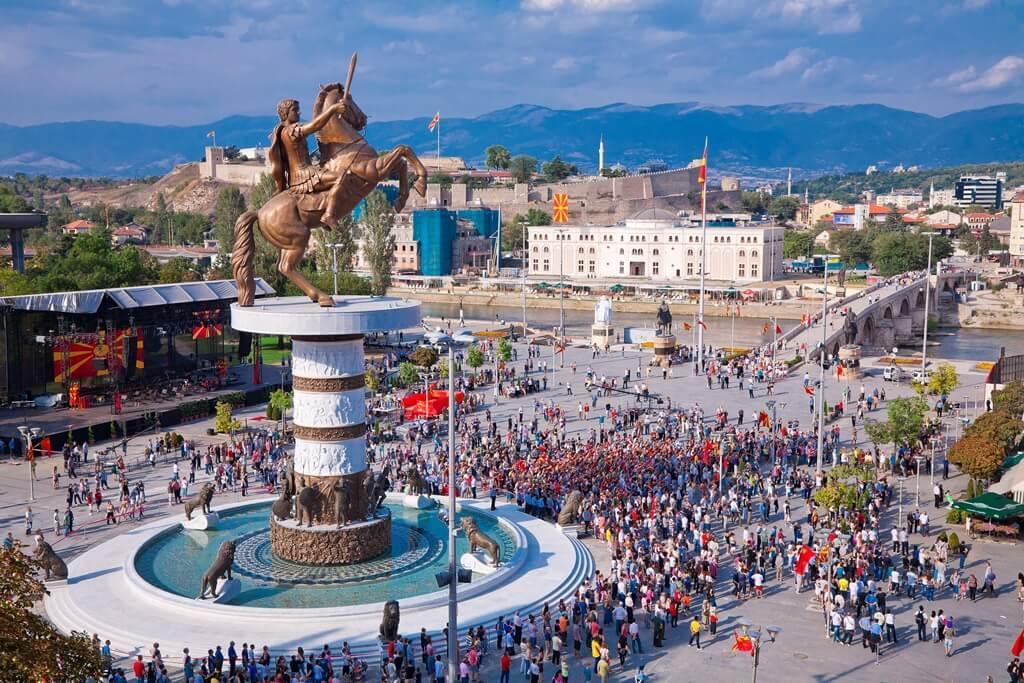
{"x": 435, "y": 125}
{"x": 213, "y": 134}
{"x": 702, "y": 179}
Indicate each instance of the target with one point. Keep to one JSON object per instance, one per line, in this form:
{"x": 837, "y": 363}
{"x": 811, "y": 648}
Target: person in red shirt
{"x": 139, "y": 669}
{"x": 506, "y": 666}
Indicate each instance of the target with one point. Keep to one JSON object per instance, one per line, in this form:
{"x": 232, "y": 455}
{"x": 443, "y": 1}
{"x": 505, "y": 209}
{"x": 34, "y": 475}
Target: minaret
{"x": 789, "y": 183}
{"x": 600, "y": 155}
{"x": 931, "y": 195}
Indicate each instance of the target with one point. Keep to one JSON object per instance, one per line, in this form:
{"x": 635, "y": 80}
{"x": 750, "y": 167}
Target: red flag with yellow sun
{"x": 560, "y": 208}
{"x": 95, "y": 356}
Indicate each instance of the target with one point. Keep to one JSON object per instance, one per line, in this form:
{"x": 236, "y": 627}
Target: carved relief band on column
{"x": 330, "y": 433}
{"x": 328, "y": 384}
{"x": 314, "y": 409}
{"x": 326, "y": 459}
{"x": 327, "y": 359}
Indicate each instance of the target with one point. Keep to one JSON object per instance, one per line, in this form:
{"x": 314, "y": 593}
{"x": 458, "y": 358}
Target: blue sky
{"x": 193, "y": 61}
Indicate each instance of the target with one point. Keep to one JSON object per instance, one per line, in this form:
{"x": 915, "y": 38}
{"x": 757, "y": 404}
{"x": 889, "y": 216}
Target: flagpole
{"x": 703, "y": 256}
{"x": 439, "y": 142}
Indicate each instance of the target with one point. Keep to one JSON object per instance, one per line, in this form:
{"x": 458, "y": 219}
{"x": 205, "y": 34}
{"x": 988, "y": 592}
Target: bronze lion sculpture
{"x": 570, "y": 508}
{"x": 200, "y": 500}
{"x": 389, "y": 623}
{"x": 220, "y": 567}
{"x": 478, "y": 539}
{"x": 53, "y": 566}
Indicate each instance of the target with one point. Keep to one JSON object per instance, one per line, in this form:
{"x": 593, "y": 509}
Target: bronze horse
{"x": 288, "y": 217}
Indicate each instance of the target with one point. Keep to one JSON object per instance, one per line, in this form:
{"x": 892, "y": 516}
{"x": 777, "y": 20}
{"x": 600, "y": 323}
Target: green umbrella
{"x": 615, "y": 289}
{"x": 991, "y": 506}
{"x": 542, "y": 285}
{"x": 1013, "y": 460}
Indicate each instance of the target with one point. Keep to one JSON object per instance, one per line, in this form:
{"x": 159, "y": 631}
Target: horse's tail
{"x": 242, "y": 256}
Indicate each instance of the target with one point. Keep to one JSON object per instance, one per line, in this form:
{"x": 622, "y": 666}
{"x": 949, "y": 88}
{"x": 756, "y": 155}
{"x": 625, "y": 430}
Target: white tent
{"x": 1012, "y": 482}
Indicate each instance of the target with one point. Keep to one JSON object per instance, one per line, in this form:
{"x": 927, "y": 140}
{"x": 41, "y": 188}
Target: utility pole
{"x": 522, "y": 273}
{"x": 927, "y": 310}
{"x": 561, "y": 295}
{"x": 821, "y": 382}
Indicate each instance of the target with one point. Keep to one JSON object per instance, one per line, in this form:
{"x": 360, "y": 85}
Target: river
{"x": 963, "y": 344}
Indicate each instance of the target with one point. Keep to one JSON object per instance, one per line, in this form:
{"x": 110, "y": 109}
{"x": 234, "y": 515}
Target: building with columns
{"x": 655, "y": 246}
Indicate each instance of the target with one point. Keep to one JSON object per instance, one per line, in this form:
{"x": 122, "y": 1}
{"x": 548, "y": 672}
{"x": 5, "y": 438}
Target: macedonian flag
{"x": 560, "y": 208}
{"x": 95, "y": 356}
{"x": 702, "y": 175}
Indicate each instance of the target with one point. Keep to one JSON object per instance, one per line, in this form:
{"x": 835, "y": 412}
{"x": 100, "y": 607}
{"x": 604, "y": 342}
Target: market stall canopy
{"x": 91, "y": 300}
{"x": 1013, "y": 460}
{"x": 991, "y": 506}
{"x": 1012, "y": 482}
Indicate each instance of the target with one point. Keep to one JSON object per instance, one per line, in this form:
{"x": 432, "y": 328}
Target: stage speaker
{"x": 244, "y": 346}
{"x": 130, "y": 354}
{"x": 442, "y": 578}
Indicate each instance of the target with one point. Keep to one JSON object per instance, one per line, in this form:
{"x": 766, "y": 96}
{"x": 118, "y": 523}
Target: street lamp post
{"x": 334, "y": 247}
{"x": 900, "y": 514}
{"x": 821, "y": 382}
{"x": 770, "y": 404}
{"x": 917, "y": 476}
{"x": 927, "y": 310}
{"x": 756, "y": 640}
{"x": 30, "y": 434}
{"x": 561, "y": 295}
{"x": 522, "y": 272}
{"x": 460, "y": 338}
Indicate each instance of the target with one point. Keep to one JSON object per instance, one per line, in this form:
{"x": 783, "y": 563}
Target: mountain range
{"x": 752, "y": 141}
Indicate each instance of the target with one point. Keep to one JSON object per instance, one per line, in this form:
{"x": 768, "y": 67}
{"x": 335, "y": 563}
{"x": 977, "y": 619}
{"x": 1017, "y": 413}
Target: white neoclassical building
{"x": 655, "y": 246}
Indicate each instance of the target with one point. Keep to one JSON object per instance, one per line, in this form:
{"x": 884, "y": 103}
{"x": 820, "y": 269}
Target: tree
{"x": 440, "y": 178}
{"x": 534, "y": 216}
{"x": 522, "y": 167}
{"x": 906, "y": 419}
{"x": 853, "y": 246}
{"x": 796, "y": 243}
{"x": 89, "y": 262}
{"x": 407, "y": 374}
{"x": 31, "y": 648}
{"x": 230, "y": 205}
{"x": 893, "y": 221}
{"x": 556, "y": 170}
{"x": 753, "y": 202}
{"x": 898, "y": 252}
{"x": 998, "y": 427}
{"x": 378, "y": 241}
{"x": 497, "y": 157}
{"x": 10, "y": 202}
{"x": 223, "y": 422}
{"x": 513, "y": 235}
{"x": 424, "y": 357}
{"x": 784, "y": 208}
{"x": 505, "y": 350}
{"x": 231, "y": 152}
{"x": 262, "y": 191}
{"x": 178, "y": 269}
{"x": 609, "y": 172}
{"x": 943, "y": 380}
{"x": 1010, "y": 398}
{"x": 474, "y": 357}
{"x": 977, "y": 457}
{"x": 372, "y": 380}
{"x": 282, "y": 402}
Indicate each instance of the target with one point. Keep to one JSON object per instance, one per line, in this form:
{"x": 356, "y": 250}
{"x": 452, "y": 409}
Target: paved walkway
{"x": 985, "y": 629}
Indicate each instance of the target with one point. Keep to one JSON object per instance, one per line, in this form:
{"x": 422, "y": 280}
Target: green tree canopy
{"x": 796, "y": 243}
{"x": 496, "y": 156}
{"x": 179, "y": 269}
{"x": 754, "y": 202}
{"x": 898, "y": 252}
{"x": 1010, "y": 398}
{"x": 906, "y": 419}
{"x": 784, "y": 208}
{"x": 556, "y": 170}
{"x": 230, "y": 205}
{"x": 522, "y": 167}
{"x": 378, "y": 218}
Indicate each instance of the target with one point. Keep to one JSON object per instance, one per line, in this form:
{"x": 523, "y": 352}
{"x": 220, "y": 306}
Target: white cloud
{"x": 584, "y": 5}
{"x": 825, "y": 16}
{"x": 408, "y": 46}
{"x": 1004, "y": 72}
{"x": 822, "y": 68}
{"x": 957, "y": 77}
{"x": 566, "y": 64}
{"x": 795, "y": 59}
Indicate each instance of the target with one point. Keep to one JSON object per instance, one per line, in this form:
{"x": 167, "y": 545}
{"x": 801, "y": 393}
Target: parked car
{"x": 921, "y": 376}
{"x": 893, "y": 373}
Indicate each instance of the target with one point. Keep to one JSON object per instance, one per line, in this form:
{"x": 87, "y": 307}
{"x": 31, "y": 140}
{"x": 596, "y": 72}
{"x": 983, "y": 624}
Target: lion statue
{"x": 220, "y": 567}
{"x": 478, "y": 539}
{"x": 53, "y": 566}
{"x": 570, "y": 508}
{"x": 282, "y": 507}
{"x": 417, "y": 484}
{"x": 389, "y": 623}
{"x": 200, "y": 500}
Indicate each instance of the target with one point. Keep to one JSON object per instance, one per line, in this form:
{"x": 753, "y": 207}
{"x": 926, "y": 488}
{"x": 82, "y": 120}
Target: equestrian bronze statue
{"x": 309, "y": 195}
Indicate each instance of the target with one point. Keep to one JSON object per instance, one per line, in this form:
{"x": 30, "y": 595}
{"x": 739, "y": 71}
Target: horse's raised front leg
{"x": 403, "y": 185}
{"x": 288, "y": 264}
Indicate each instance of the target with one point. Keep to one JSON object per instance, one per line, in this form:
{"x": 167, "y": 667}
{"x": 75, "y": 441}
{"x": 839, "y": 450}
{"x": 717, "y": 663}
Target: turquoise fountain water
{"x": 175, "y": 561}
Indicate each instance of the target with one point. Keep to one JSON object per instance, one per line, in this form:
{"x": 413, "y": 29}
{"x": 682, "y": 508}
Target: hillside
{"x": 748, "y": 140}
{"x": 850, "y": 185}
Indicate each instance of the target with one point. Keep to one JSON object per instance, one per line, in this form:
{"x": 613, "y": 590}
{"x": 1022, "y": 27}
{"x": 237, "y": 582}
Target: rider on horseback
{"x": 290, "y": 164}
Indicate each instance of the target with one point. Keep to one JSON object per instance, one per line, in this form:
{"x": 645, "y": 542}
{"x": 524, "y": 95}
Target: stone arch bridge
{"x": 884, "y": 316}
